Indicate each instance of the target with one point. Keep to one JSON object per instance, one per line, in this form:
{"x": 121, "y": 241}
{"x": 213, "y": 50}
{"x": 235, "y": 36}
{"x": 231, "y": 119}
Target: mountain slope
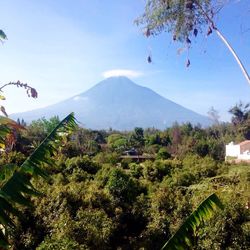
{"x": 119, "y": 103}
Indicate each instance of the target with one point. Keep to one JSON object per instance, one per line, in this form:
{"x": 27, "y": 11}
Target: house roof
{"x": 244, "y": 142}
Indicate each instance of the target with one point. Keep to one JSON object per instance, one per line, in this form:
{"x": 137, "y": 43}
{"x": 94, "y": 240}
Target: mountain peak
{"x": 119, "y": 103}
{"x": 117, "y": 80}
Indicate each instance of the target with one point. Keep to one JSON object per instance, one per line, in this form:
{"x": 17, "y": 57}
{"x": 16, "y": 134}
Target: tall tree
{"x": 240, "y": 113}
{"x": 185, "y": 19}
{"x": 137, "y": 138}
{"x": 241, "y": 119}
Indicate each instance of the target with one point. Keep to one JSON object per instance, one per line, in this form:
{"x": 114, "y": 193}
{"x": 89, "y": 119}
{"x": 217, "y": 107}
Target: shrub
{"x": 83, "y": 163}
{"x": 135, "y": 170}
{"x": 163, "y": 154}
{"x": 121, "y": 186}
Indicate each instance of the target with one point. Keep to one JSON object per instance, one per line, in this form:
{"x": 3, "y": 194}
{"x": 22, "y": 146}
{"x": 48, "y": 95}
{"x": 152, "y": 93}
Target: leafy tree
{"x": 185, "y": 19}
{"x": 241, "y": 118}
{"x": 118, "y": 142}
{"x": 136, "y": 139}
{"x": 240, "y": 113}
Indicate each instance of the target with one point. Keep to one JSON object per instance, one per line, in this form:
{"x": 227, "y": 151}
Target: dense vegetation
{"x": 96, "y": 199}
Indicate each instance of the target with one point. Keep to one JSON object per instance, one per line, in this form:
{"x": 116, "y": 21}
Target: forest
{"x": 101, "y": 195}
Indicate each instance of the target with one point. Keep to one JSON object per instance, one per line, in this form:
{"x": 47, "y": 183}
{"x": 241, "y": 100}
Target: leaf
{"x": 195, "y": 32}
{"x": 2, "y": 97}
{"x": 147, "y": 33}
{"x": 183, "y": 237}
{"x": 149, "y": 59}
{"x": 3, "y": 35}
{"x": 188, "y": 40}
{"x": 209, "y": 31}
{"x": 3, "y": 111}
{"x": 18, "y": 185}
{"x": 6, "y": 172}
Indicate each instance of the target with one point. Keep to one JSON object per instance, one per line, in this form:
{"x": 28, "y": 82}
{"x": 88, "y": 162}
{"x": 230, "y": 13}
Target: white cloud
{"x": 122, "y": 72}
{"x": 78, "y": 98}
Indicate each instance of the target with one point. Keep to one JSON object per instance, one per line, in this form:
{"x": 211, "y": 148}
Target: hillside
{"x": 119, "y": 103}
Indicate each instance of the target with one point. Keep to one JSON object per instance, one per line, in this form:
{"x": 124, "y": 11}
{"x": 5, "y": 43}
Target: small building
{"x": 239, "y": 151}
{"x": 131, "y": 151}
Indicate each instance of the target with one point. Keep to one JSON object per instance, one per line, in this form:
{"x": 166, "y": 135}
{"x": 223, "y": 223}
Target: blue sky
{"x": 64, "y": 47}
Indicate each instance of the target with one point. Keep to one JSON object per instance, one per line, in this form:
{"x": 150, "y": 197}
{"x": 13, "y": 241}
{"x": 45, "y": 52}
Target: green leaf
{"x": 182, "y": 239}
{"x": 15, "y": 182}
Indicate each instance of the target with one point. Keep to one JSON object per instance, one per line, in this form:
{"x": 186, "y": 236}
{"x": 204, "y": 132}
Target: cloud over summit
{"x": 122, "y": 72}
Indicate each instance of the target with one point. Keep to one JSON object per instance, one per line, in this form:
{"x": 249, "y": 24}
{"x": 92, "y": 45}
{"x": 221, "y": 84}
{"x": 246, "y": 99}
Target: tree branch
{"x": 224, "y": 40}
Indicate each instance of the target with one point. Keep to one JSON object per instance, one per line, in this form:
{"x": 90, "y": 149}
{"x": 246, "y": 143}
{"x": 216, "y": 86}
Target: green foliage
{"x": 136, "y": 170}
{"x": 62, "y": 244}
{"x": 183, "y": 238}
{"x": 163, "y": 154}
{"x": 12, "y": 157}
{"x": 136, "y": 139}
{"x": 121, "y": 186}
{"x": 241, "y": 119}
{"x": 39, "y": 129}
{"x": 229, "y": 229}
{"x": 101, "y": 201}
{"x": 184, "y": 19}
{"x": 16, "y": 183}
{"x": 84, "y": 163}
{"x": 155, "y": 171}
{"x": 118, "y": 142}
{"x": 104, "y": 157}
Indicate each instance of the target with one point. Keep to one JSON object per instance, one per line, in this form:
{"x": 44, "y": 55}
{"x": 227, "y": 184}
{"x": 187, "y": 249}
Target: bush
{"x": 83, "y": 163}
{"x": 135, "y": 170}
{"x": 126, "y": 162}
{"x": 163, "y": 154}
{"x": 155, "y": 171}
{"x": 102, "y": 158}
{"x": 121, "y": 186}
{"x": 12, "y": 157}
{"x": 62, "y": 244}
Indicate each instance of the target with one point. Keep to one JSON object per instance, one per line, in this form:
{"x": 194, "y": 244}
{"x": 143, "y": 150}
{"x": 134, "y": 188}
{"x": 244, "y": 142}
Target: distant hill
{"x": 119, "y": 103}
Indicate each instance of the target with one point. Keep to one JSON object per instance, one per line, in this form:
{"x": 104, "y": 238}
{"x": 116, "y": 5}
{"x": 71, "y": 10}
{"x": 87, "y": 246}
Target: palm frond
{"x": 182, "y": 239}
{"x": 18, "y": 185}
{"x": 42, "y": 154}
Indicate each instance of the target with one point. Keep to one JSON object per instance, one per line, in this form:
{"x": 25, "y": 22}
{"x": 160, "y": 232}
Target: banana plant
{"x": 182, "y": 239}
{"x": 15, "y": 181}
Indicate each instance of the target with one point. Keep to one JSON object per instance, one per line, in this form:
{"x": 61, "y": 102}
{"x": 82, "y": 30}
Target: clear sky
{"x": 64, "y": 47}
